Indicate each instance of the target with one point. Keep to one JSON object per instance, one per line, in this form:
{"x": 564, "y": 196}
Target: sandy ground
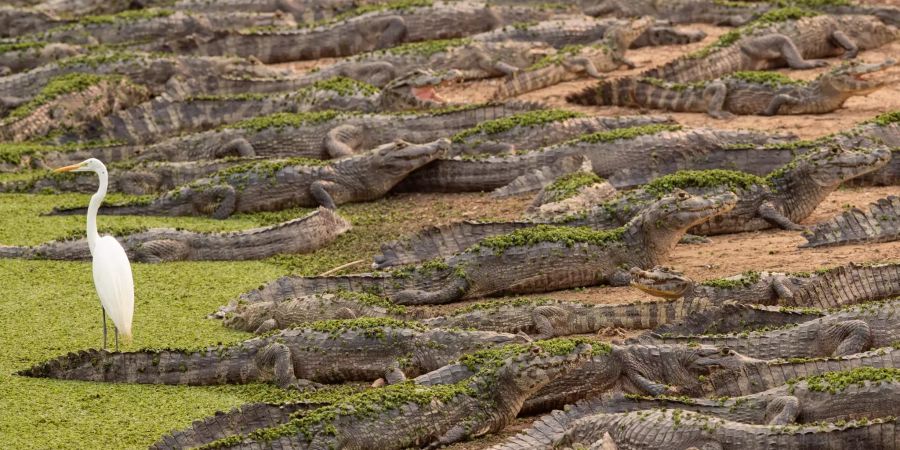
{"x": 727, "y": 255}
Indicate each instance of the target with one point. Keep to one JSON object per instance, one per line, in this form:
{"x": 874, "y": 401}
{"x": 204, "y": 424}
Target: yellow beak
{"x": 67, "y": 168}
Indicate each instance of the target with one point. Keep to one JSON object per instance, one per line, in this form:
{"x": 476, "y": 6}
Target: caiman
{"x": 787, "y": 37}
{"x": 853, "y": 394}
{"x": 165, "y": 116}
{"x": 414, "y": 416}
{"x": 274, "y": 185}
{"x": 526, "y": 261}
{"x": 745, "y": 93}
{"x": 785, "y": 197}
{"x": 302, "y": 235}
{"x": 574, "y": 62}
{"x": 329, "y": 351}
{"x": 661, "y": 149}
{"x": 385, "y": 27}
{"x": 660, "y": 429}
{"x": 880, "y": 223}
{"x": 852, "y": 330}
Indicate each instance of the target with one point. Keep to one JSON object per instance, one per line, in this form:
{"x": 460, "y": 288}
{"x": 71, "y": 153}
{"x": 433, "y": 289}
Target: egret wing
{"x": 114, "y": 282}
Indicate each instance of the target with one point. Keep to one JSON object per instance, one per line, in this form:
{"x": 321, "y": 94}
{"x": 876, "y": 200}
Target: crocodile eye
{"x": 726, "y": 351}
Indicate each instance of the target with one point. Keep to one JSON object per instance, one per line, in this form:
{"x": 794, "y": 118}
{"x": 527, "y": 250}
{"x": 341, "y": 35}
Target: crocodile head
{"x": 866, "y": 31}
{"x": 620, "y": 37}
{"x": 417, "y": 89}
{"x": 680, "y": 210}
{"x": 853, "y": 78}
{"x": 249, "y": 316}
{"x": 661, "y": 281}
{"x": 401, "y": 157}
{"x": 833, "y": 164}
{"x": 663, "y": 223}
{"x": 708, "y": 358}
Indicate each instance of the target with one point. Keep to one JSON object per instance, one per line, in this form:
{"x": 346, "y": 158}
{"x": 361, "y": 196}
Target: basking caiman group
{"x": 278, "y": 136}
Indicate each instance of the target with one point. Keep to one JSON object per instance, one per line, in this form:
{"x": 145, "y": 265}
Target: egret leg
{"x": 104, "y": 327}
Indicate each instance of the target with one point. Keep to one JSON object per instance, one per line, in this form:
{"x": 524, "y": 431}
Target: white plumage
{"x": 112, "y": 271}
{"x": 114, "y": 283}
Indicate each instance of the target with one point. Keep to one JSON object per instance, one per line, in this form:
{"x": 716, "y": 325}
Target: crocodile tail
{"x": 532, "y": 80}
{"x": 524, "y": 105}
{"x": 123, "y": 210}
{"x": 239, "y": 421}
{"x": 291, "y": 286}
{"x": 848, "y": 285}
{"x": 549, "y": 428}
{"x": 880, "y": 223}
{"x": 618, "y": 92}
{"x": 538, "y": 179}
{"x": 15, "y": 251}
{"x": 201, "y": 367}
{"x": 733, "y": 317}
{"x": 441, "y": 242}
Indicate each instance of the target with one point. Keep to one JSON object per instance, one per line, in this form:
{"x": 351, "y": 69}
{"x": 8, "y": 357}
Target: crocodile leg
{"x": 776, "y": 45}
{"x": 390, "y": 30}
{"x": 841, "y": 39}
{"x": 853, "y": 336}
{"x": 768, "y": 211}
{"x": 162, "y": 250}
{"x": 226, "y": 204}
{"x": 266, "y": 326}
{"x": 783, "y": 410}
{"x": 548, "y": 319}
{"x": 777, "y": 102}
{"x": 278, "y": 356}
{"x": 582, "y": 64}
{"x": 453, "y": 435}
{"x": 454, "y": 290}
{"x": 341, "y": 141}
{"x": 716, "y": 92}
{"x": 319, "y": 191}
{"x": 779, "y": 285}
{"x": 236, "y": 147}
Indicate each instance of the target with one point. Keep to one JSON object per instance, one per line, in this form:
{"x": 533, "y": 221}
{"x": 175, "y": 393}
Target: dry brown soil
{"x": 726, "y": 255}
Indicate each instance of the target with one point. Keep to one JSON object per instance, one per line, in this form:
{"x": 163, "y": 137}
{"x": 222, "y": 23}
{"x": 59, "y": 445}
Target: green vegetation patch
{"x": 343, "y": 86}
{"x": 489, "y": 360}
{"x": 625, "y": 133}
{"x": 394, "y": 5}
{"x": 97, "y": 59}
{"x": 526, "y": 119}
{"x": 663, "y": 84}
{"x": 834, "y": 382}
{"x": 556, "y": 58}
{"x": 283, "y": 119}
{"x": 703, "y": 179}
{"x": 20, "y": 46}
{"x": 494, "y": 305}
{"x": 767, "y": 78}
{"x": 372, "y": 327}
{"x": 550, "y": 233}
{"x": 59, "y": 86}
{"x": 425, "y": 48}
{"x": 568, "y": 185}
{"x": 370, "y": 300}
{"x": 12, "y": 152}
{"x": 769, "y": 18}
{"x": 132, "y": 15}
{"x": 746, "y": 279}
{"x": 885, "y": 119}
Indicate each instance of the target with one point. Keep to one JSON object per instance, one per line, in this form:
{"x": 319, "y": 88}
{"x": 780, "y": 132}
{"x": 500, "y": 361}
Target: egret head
{"x": 88, "y": 165}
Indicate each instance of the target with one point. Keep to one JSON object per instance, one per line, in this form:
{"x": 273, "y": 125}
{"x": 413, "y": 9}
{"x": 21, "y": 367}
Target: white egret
{"x": 112, "y": 271}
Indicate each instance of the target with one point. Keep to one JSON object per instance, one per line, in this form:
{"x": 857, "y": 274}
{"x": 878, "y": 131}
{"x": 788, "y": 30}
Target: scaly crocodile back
{"x": 880, "y": 223}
